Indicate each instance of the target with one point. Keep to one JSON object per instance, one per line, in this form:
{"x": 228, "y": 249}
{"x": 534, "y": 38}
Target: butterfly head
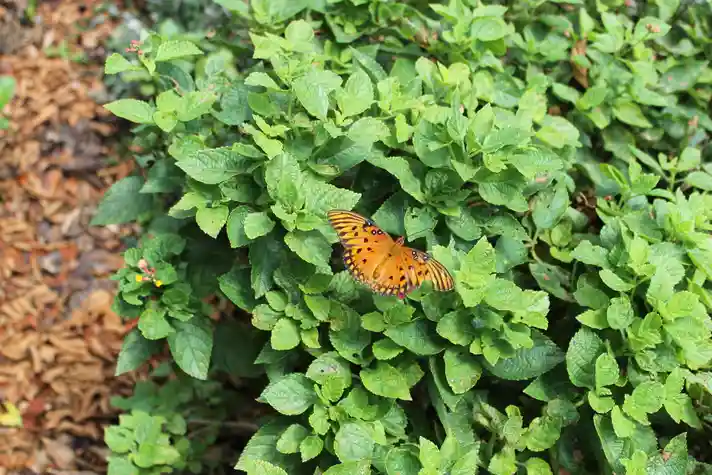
{"x": 400, "y": 241}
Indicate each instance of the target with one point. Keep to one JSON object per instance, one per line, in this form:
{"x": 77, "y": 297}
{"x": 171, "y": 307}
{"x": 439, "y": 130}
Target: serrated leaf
{"x": 462, "y": 370}
{"x": 135, "y": 350}
{"x": 418, "y": 337}
{"x": 353, "y": 442}
{"x": 313, "y": 89}
{"x": 591, "y": 254}
{"x": 133, "y": 110}
{"x": 123, "y": 203}
{"x": 257, "y": 224}
{"x": 385, "y": 380}
{"x": 584, "y": 349}
{"x": 527, "y": 363}
{"x": 285, "y": 335}
{"x": 115, "y": 64}
{"x": 311, "y": 246}
{"x": 357, "y": 94}
{"x": 212, "y": 166}
{"x": 212, "y": 220}
{"x": 291, "y": 394}
{"x": 174, "y": 49}
{"x": 191, "y": 346}
{"x": 620, "y": 313}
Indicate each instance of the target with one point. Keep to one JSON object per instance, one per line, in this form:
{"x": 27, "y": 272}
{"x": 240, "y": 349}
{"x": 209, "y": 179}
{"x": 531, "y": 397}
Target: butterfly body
{"x": 386, "y": 265}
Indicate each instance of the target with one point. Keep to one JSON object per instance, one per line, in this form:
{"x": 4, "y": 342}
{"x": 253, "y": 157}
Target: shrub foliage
{"x": 552, "y": 155}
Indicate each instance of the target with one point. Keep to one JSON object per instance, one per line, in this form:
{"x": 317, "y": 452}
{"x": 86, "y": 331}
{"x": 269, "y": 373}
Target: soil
{"x": 58, "y": 335}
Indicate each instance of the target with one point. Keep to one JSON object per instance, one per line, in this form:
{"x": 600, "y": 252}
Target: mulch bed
{"x": 58, "y": 336}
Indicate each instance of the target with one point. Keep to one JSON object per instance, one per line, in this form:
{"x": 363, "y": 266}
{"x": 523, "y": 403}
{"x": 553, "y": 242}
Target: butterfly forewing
{"x": 366, "y": 246}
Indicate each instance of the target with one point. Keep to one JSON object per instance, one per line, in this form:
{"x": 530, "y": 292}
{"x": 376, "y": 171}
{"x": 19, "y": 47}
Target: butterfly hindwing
{"x": 428, "y": 268}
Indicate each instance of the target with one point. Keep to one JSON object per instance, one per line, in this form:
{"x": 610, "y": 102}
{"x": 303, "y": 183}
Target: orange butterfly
{"x": 386, "y": 266}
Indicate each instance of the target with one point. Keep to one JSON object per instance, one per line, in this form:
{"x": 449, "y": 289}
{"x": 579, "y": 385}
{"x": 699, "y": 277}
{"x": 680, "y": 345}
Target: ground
{"x": 58, "y": 336}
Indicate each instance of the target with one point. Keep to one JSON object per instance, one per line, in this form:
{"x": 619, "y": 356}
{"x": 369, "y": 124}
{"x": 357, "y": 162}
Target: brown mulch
{"x": 58, "y": 336}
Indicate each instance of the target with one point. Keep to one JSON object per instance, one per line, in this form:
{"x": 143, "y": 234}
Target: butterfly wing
{"x": 387, "y": 267}
{"x": 421, "y": 267}
{"x": 366, "y": 246}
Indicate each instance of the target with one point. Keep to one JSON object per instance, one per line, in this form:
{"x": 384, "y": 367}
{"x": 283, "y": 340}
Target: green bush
{"x": 552, "y": 155}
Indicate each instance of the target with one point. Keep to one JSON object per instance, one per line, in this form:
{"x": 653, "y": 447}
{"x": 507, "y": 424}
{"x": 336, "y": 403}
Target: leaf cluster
{"x": 552, "y": 155}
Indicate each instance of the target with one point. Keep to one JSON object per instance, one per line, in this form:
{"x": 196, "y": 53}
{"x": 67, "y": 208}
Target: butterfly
{"x": 386, "y": 266}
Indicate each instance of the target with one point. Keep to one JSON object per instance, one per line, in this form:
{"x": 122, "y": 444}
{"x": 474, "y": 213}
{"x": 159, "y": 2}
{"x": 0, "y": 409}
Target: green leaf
{"x": 263, "y": 446}
{"x": 121, "y": 466}
{"x": 629, "y": 113}
{"x": 457, "y": 327}
{"x": 700, "y": 180}
{"x": 313, "y": 89}
{"x": 673, "y": 460}
{"x": 404, "y": 170}
{"x": 311, "y": 246}
{"x": 386, "y": 349}
{"x": 417, "y": 337}
{"x": 257, "y": 224}
{"x": 174, "y": 49}
{"x": 550, "y": 207}
{"x": 291, "y": 439}
{"x": 607, "y": 371}
{"x": 613, "y": 281}
{"x": 385, "y": 380}
{"x": 115, "y": 64}
{"x": 122, "y": 203}
{"x": 353, "y": 442}
{"x": 310, "y": 447}
{"x": 191, "y": 346}
{"x": 284, "y": 179}
{"x": 419, "y": 223}
{"x": 362, "y": 467}
{"x": 531, "y": 162}
{"x": 620, "y": 313}
{"x": 211, "y": 220}
{"x": 153, "y": 323}
{"x": 357, "y": 94}
{"x": 235, "y": 109}
{"x": 503, "y": 462}
{"x": 259, "y": 78}
{"x": 291, "y": 394}
{"x": 402, "y": 461}
{"x": 647, "y": 398}
{"x": 133, "y": 110}
{"x": 591, "y": 254}
{"x": 430, "y": 455}
{"x": 212, "y": 166}
{"x": 195, "y": 104}
{"x": 622, "y": 426}
{"x": 166, "y": 121}
{"x": 475, "y": 274}
{"x": 285, "y": 335}
{"x": 528, "y": 363}
{"x": 135, "y": 350}
{"x": 119, "y": 439}
{"x": 681, "y": 409}
{"x": 488, "y": 29}
{"x": 584, "y": 349}
{"x": 649, "y": 28}
{"x": 536, "y": 466}
{"x": 558, "y": 132}
{"x": 236, "y": 227}
{"x": 462, "y": 370}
